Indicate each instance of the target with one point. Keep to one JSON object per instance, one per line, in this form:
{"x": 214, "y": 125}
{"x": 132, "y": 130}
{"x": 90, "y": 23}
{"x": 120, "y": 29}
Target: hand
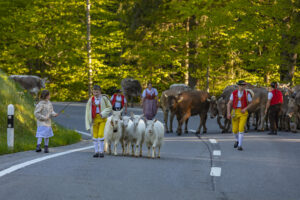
{"x": 266, "y": 111}
{"x": 243, "y": 110}
{"x": 228, "y": 116}
{"x": 125, "y": 112}
{"x": 57, "y": 114}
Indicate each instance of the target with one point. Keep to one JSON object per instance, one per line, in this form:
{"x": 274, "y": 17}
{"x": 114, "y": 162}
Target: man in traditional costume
{"x": 97, "y": 110}
{"x": 239, "y": 102}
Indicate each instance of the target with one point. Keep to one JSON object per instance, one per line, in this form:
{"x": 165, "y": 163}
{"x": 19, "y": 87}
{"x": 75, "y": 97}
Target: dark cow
{"x": 174, "y": 90}
{"x": 131, "y": 88}
{"x": 32, "y": 84}
{"x": 190, "y": 103}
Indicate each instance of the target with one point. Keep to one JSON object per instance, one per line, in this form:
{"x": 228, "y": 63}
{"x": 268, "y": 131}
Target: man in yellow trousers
{"x": 239, "y": 102}
{"x": 97, "y": 110}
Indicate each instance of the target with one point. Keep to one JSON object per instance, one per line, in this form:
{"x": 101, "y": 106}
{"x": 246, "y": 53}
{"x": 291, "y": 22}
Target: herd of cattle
{"x": 182, "y": 101}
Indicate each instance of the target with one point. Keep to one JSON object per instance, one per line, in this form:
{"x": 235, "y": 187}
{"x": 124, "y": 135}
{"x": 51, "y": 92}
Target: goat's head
{"x": 136, "y": 119}
{"x": 150, "y": 126}
{"x": 126, "y": 121}
{"x": 115, "y": 122}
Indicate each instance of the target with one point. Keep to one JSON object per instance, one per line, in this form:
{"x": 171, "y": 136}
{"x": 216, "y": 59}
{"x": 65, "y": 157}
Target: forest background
{"x": 207, "y": 44}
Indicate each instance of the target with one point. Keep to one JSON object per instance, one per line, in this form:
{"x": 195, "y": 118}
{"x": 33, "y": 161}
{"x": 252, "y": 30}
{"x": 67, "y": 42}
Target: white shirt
{"x": 153, "y": 90}
{"x": 97, "y": 102}
{"x": 270, "y": 95}
{"x": 118, "y": 103}
{"x": 240, "y": 94}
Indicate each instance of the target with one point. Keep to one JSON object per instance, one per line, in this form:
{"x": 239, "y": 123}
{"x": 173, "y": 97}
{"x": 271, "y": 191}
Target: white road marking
{"x": 84, "y": 133}
{"x": 191, "y": 130}
{"x": 213, "y": 141}
{"x": 217, "y": 153}
{"x": 215, "y": 171}
{"x": 31, "y": 162}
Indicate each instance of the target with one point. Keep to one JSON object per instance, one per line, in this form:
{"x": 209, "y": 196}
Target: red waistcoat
{"x": 94, "y": 107}
{"x": 150, "y": 96}
{"x": 236, "y": 99}
{"x": 277, "y": 97}
{"x": 115, "y": 99}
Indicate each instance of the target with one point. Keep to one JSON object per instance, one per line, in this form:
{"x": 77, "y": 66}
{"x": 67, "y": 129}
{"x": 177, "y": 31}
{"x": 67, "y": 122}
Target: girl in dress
{"x": 43, "y": 113}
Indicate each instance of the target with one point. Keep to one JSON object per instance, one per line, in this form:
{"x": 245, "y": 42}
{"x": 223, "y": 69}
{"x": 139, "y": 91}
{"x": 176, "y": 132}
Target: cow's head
{"x": 221, "y": 106}
{"x": 292, "y": 107}
{"x": 213, "y": 106}
{"x": 43, "y": 82}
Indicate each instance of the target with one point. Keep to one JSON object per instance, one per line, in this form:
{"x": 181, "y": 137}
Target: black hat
{"x": 118, "y": 91}
{"x": 241, "y": 82}
{"x": 274, "y": 84}
{"x": 97, "y": 87}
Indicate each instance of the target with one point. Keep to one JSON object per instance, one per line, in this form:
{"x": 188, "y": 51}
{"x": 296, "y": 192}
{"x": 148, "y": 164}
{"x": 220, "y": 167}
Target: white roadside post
{"x": 10, "y": 126}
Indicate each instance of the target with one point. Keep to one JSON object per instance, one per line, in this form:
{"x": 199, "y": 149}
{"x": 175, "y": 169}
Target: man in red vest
{"x": 239, "y": 102}
{"x": 274, "y": 104}
{"x": 118, "y": 101}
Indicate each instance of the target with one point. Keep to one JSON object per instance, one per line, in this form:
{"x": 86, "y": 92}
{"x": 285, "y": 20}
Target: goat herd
{"x": 133, "y": 132}
{"x": 184, "y": 102}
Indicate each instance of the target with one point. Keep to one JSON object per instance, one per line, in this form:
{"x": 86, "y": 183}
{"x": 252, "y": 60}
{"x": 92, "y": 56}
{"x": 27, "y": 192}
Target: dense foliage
{"x": 203, "y": 43}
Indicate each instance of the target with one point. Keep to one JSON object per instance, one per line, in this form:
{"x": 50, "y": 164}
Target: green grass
{"x": 25, "y": 122}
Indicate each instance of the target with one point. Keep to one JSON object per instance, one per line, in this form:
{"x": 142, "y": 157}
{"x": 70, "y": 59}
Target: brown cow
{"x": 174, "y": 90}
{"x": 190, "y": 103}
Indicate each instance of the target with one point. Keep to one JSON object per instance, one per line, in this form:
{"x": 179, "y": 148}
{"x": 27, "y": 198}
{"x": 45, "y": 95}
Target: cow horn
{"x": 213, "y": 98}
{"x": 208, "y": 99}
{"x": 180, "y": 99}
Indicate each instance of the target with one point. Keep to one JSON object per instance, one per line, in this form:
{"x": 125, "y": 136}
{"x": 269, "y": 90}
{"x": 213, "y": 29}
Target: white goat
{"x": 154, "y": 136}
{"x": 137, "y": 135}
{"x": 127, "y": 129}
{"x": 113, "y": 131}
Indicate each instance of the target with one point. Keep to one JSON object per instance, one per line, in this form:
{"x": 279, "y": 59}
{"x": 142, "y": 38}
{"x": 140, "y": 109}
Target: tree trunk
{"x": 89, "y": 50}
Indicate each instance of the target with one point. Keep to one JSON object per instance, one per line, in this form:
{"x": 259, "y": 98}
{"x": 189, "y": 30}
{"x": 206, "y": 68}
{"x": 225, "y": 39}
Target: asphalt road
{"x": 190, "y": 167}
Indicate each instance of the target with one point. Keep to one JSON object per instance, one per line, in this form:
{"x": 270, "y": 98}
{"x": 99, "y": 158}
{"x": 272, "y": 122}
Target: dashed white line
{"x": 213, "y": 141}
{"x": 31, "y": 162}
{"x": 215, "y": 171}
{"x": 217, "y": 153}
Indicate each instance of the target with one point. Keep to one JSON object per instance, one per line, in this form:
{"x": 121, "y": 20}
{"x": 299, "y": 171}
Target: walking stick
{"x": 62, "y": 110}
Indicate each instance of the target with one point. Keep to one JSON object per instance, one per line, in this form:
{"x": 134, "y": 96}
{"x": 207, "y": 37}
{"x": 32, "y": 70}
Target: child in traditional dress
{"x": 43, "y": 113}
{"x": 97, "y": 110}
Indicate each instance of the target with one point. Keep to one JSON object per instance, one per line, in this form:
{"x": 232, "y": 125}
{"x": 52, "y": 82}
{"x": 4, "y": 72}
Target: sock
{"x": 39, "y": 141}
{"x": 236, "y": 136}
{"x": 241, "y": 135}
{"x": 101, "y": 146}
{"x": 46, "y": 141}
{"x": 95, "y": 145}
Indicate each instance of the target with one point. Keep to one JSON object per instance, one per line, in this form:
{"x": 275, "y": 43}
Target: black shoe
{"x": 96, "y": 155}
{"x": 38, "y": 148}
{"x": 236, "y": 144}
{"x": 101, "y": 155}
{"x": 272, "y": 133}
{"x": 240, "y": 148}
{"x": 46, "y": 150}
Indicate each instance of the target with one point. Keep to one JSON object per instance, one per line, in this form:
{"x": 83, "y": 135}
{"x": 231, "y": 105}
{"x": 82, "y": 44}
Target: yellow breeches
{"x": 98, "y": 127}
{"x": 239, "y": 120}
